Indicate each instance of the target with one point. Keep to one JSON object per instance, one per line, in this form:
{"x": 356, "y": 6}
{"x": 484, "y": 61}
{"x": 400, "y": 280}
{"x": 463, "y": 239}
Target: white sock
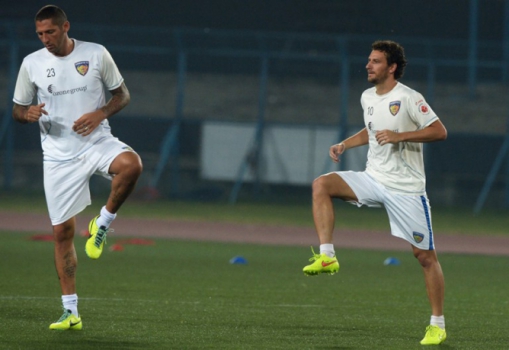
{"x": 105, "y": 218}
{"x": 438, "y": 321}
{"x": 70, "y": 302}
{"x": 327, "y": 249}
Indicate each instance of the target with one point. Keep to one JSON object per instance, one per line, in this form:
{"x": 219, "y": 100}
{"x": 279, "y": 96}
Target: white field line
{"x": 123, "y": 300}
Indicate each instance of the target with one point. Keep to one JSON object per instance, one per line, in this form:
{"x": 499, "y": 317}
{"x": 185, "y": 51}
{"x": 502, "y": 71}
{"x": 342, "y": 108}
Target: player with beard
{"x": 397, "y": 122}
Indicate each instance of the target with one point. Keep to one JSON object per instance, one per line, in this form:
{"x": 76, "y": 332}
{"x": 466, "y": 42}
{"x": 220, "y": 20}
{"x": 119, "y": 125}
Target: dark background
{"x": 456, "y": 169}
{"x": 432, "y": 18}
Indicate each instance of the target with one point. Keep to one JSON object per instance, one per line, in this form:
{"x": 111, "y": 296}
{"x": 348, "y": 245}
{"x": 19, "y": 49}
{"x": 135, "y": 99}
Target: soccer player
{"x": 68, "y": 77}
{"x": 397, "y": 122}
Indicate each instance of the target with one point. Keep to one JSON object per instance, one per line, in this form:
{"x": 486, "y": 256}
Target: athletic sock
{"x": 70, "y": 302}
{"x": 438, "y": 321}
{"x": 105, "y": 218}
{"x": 327, "y": 249}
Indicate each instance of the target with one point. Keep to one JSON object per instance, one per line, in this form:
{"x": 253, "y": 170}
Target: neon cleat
{"x": 67, "y": 322}
{"x": 434, "y": 335}
{"x": 321, "y": 264}
{"x": 95, "y": 243}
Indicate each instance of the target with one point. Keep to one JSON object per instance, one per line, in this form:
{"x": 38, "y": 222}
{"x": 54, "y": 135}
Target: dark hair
{"x": 394, "y": 53}
{"x": 55, "y": 13}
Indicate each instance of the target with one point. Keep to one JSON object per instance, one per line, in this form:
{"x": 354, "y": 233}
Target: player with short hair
{"x": 397, "y": 122}
{"x": 68, "y": 77}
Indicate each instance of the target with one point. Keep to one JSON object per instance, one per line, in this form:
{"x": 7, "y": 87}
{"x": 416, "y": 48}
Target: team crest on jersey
{"x": 418, "y": 237}
{"x": 394, "y": 107}
{"x": 423, "y": 108}
{"x": 82, "y": 67}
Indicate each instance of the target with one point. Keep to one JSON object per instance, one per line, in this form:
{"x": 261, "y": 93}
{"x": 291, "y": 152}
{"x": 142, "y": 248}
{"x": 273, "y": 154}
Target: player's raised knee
{"x": 320, "y": 185}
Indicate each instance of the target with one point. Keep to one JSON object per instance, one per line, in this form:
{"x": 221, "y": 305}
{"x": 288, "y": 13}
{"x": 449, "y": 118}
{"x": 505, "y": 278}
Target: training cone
{"x": 239, "y": 260}
{"x": 391, "y": 261}
{"x": 116, "y": 248}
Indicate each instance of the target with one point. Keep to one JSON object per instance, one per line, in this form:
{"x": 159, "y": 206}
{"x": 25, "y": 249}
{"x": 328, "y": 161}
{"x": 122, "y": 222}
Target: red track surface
{"x": 259, "y": 234}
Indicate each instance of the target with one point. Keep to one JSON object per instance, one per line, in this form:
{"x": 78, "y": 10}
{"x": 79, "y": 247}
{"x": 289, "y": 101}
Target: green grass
{"x": 445, "y": 220}
{"x": 186, "y": 295}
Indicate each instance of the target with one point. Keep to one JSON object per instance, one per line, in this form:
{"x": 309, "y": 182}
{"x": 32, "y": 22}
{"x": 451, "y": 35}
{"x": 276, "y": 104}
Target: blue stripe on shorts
{"x": 428, "y": 221}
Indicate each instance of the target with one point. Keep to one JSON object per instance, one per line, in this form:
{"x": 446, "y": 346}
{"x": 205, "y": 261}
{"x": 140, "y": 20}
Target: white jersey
{"x": 399, "y": 167}
{"x": 69, "y": 86}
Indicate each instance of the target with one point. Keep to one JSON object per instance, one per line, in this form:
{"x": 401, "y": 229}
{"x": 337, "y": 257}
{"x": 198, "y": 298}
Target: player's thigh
{"x": 126, "y": 161}
{"x": 410, "y": 219}
{"x": 104, "y": 154}
{"x": 366, "y": 191}
{"x": 334, "y": 186}
{"x": 66, "y": 187}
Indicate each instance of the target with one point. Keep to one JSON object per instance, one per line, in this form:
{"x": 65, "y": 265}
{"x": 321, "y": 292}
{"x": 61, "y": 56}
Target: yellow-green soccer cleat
{"x": 434, "y": 335}
{"x": 68, "y": 322}
{"x": 95, "y": 243}
{"x": 321, "y": 264}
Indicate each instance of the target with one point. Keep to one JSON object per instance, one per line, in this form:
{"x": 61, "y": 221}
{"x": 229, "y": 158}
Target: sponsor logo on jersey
{"x": 82, "y": 67}
{"x": 418, "y": 237}
{"x": 423, "y": 108}
{"x": 394, "y": 107}
{"x": 371, "y": 128}
{"x": 52, "y": 89}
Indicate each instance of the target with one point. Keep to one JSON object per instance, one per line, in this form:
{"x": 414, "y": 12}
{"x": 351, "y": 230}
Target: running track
{"x": 259, "y": 234}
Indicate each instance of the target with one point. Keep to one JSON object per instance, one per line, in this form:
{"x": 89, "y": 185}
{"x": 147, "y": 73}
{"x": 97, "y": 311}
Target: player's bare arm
{"x": 359, "y": 139}
{"x": 119, "y": 99}
{"x": 28, "y": 114}
{"x": 87, "y": 123}
{"x": 434, "y": 132}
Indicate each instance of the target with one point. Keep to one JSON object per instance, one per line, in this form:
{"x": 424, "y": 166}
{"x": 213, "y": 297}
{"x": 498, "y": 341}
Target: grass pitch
{"x": 186, "y": 295}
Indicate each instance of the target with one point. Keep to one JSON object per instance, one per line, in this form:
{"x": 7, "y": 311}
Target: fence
{"x": 188, "y": 85}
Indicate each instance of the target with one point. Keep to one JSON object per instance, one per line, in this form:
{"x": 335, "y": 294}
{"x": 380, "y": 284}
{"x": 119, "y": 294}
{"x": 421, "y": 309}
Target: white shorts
{"x": 409, "y": 215}
{"x": 66, "y": 183}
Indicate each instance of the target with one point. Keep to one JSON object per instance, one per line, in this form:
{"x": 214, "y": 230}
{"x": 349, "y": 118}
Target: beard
{"x": 374, "y": 80}
{"x": 378, "y": 79}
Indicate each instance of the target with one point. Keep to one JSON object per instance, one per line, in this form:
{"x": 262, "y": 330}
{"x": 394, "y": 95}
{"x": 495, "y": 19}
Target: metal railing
{"x": 170, "y": 49}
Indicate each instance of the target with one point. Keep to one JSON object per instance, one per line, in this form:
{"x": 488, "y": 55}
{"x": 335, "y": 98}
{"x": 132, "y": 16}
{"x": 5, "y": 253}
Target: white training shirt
{"x": 69, "y": 86}
{"x": 399, "y": 167}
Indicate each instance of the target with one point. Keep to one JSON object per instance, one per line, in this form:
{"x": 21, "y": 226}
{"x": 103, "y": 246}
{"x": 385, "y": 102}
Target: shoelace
{"x": 65, "y": 315}
{"x": 315, "y": 256}
{"x": 101, "y": 236}
{"x": 432, "y": 330}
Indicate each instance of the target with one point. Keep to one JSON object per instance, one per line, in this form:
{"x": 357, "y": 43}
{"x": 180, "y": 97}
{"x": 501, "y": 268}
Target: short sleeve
{"x": 25, "y": 90}
{"x": 109, "y": 72}
{"x": 420, "y": 111}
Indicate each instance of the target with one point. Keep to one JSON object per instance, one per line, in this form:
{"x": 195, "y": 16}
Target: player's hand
{"x": 88, "y": 122}
{"x": 34, "y": 113}
{"x": 384, "y": 137}
{"x": 336, "y": 150}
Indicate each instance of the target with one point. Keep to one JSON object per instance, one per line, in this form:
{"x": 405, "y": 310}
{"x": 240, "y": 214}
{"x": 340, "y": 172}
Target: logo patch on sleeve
{"x": 82, "y": 67}
{"x": 418, "y": 237}
{"x": 394, "y": 107}
{"x": 423, "y": 108}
